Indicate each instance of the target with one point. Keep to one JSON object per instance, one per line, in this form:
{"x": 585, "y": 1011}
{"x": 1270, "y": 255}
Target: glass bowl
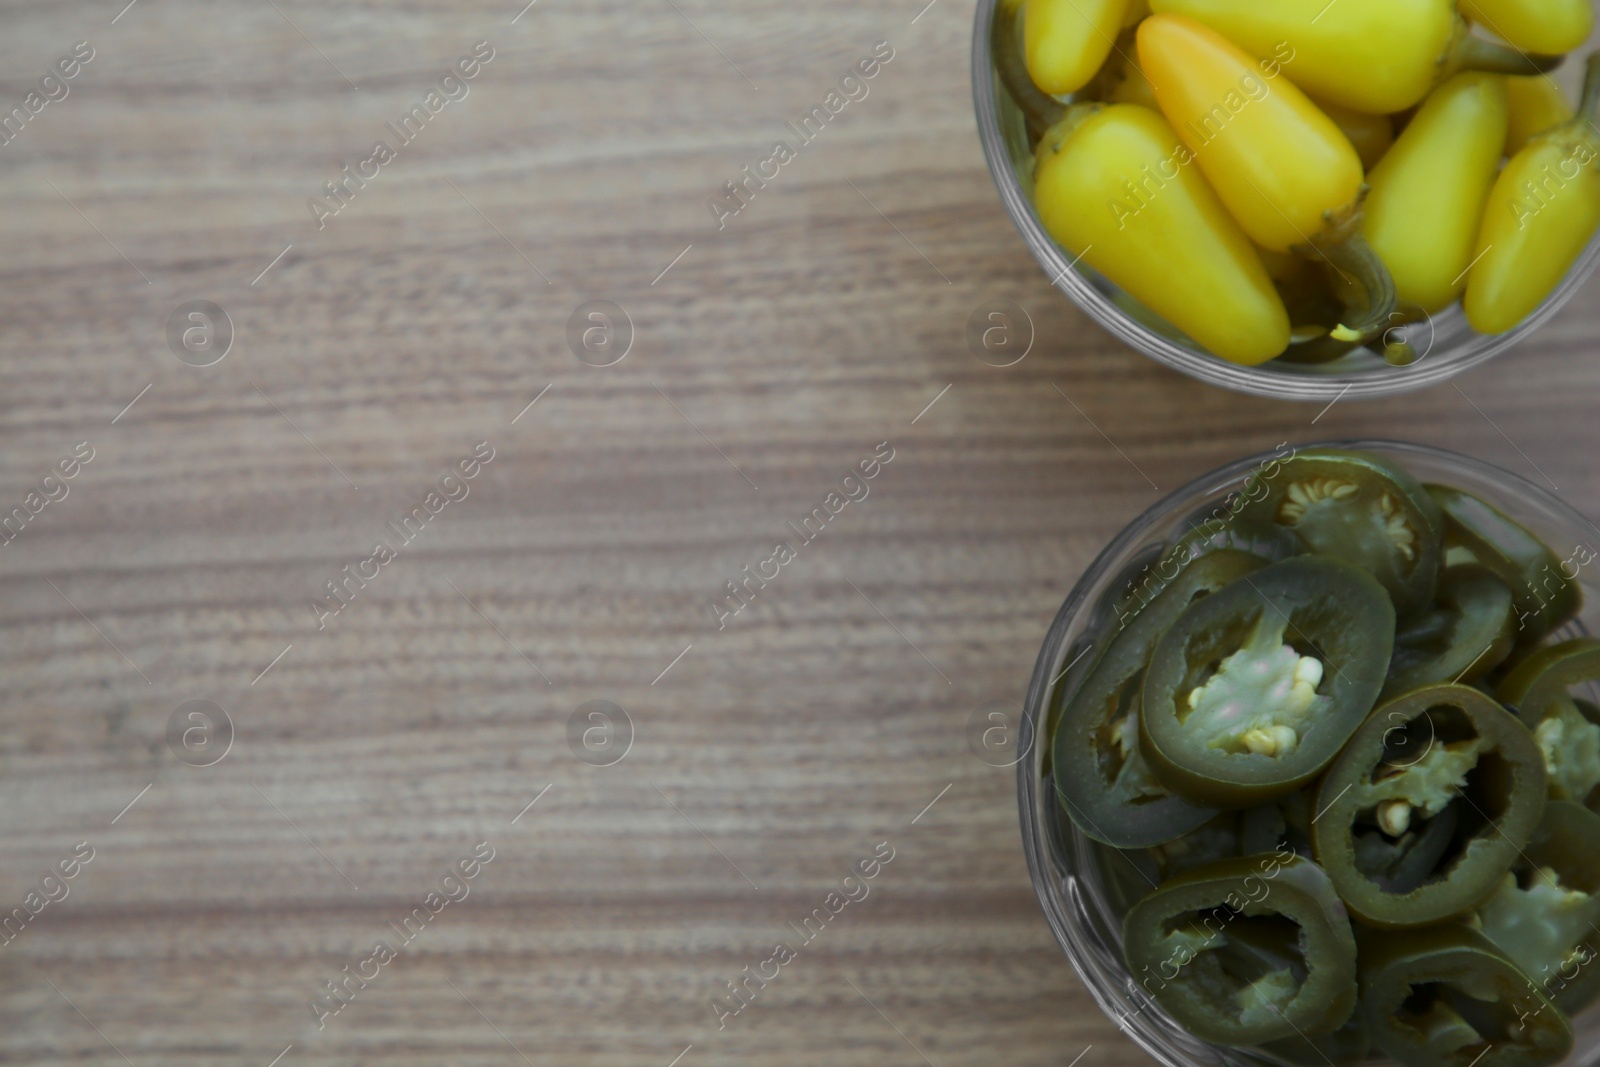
{"x": 1078, "y": 892}
{"x": 1447, "y": 345}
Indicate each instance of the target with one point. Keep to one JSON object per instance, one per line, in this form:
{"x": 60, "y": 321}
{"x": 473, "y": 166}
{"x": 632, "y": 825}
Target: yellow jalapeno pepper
{"x": 1285, "y": 170}
{"x": 1372, "y": 135}
{"x": 1116, "y": 187}
{"x": 1537, "y": 105}
{"x": 1066, "y": 42}
{"x": 1138, "y": 11}
{"x": 1377, "y": 56}
{"x": 1541, "y": 213}
{"x": 1279, "y": 164}
{"x": 1549, "y": 26}
{"x": 1427, "y": 195}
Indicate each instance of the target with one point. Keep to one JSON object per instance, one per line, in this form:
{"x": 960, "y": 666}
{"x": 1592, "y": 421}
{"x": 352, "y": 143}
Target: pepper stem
{"x": 1400, "y": 353}
{"x": 1372, "y": 312}
{"x": 1040, "y": 109}
{"x": 1324, "y": 349}
{"x": 1471, "y": 52}
{"x": 1589, "y": 106}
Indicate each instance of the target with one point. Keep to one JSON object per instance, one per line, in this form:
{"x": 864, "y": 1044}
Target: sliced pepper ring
{"x": 1537, "y": 685}
{"x": 1445, "y": 996}
{"x": 1543, "y": 916}
{"x": 1358, "y": 508}
{"x": 1566, "y": 728}
{"x": 1345, "y": 1047}
{"x": 1445, "y": 752}
{"x": 1545, "y": 596}
{"x": 1246, "y": 951}
{"x": 1254, "y": 690}
{"x": 1220, "y": 839}
{"x": 1470, "y": 632}
{"x": 1271, "y": 542}
{"x": 1097, "y": 759}
{"x": 1152, "y": 573}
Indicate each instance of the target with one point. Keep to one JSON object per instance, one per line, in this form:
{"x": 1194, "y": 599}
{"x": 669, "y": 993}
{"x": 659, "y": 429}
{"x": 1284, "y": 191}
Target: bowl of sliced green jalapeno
{"x": 1317, "y": 771}
{"x": 1295, "y": 198}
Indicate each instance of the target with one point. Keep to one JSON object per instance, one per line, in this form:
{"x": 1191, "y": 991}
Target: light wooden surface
{"x": 778, "y": 351}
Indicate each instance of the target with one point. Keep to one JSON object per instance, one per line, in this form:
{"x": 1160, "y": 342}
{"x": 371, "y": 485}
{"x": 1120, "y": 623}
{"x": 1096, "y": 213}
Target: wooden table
{"x": 372, "y": 354}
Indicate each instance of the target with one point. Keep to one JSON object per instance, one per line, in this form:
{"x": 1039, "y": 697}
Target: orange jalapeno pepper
{"x": 1285, "y": 170}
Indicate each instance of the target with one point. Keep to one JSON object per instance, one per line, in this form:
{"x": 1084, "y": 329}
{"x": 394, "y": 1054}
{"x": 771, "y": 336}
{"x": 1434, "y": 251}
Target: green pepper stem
{"x": 1354, "y": 258}
{"x": 1324, "y": 349}
{"x": 1040, "y": 109}
{"x": 1589, "y": 107}
{"x": 1475, "y": 53}
{"x": 1400, "y": 353}
{"x": 1051, "y": 140}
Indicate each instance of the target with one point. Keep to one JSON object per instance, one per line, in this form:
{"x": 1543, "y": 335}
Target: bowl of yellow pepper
{"x": 1300, "y": 199}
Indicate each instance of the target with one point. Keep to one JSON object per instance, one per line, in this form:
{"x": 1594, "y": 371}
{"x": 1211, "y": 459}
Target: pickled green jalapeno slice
{"x": 1266, "y": 828}
{"x": 1280, "y": 826}
{"x": 1205, "y": 535}
{"x": 1545, "y": 595}
{"x": 1128, "y": 876}
{"x": 1445, "y": 996}
{"x": 1253, "y": 690}
{"x": 1101, "y": 774}
{"x": 1219, "y": 839}
{"x": 1469, "y": 632}
{"x": 1271, "y": 542}
{"x": 1345, "y": 1047}
{"x": 1544, "y": 914}
{"x": 1567, "y": 729}
{"x": 1546, "y": 678}
{"x": 1427, "y": 806}
{"x": 1361, "y": 509}
{"x": 1246, "y": 950}
{"x": 1569, "y": 739}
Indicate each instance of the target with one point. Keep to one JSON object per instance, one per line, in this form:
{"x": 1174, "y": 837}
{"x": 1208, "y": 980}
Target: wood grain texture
{"x": 776, "y": 352}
